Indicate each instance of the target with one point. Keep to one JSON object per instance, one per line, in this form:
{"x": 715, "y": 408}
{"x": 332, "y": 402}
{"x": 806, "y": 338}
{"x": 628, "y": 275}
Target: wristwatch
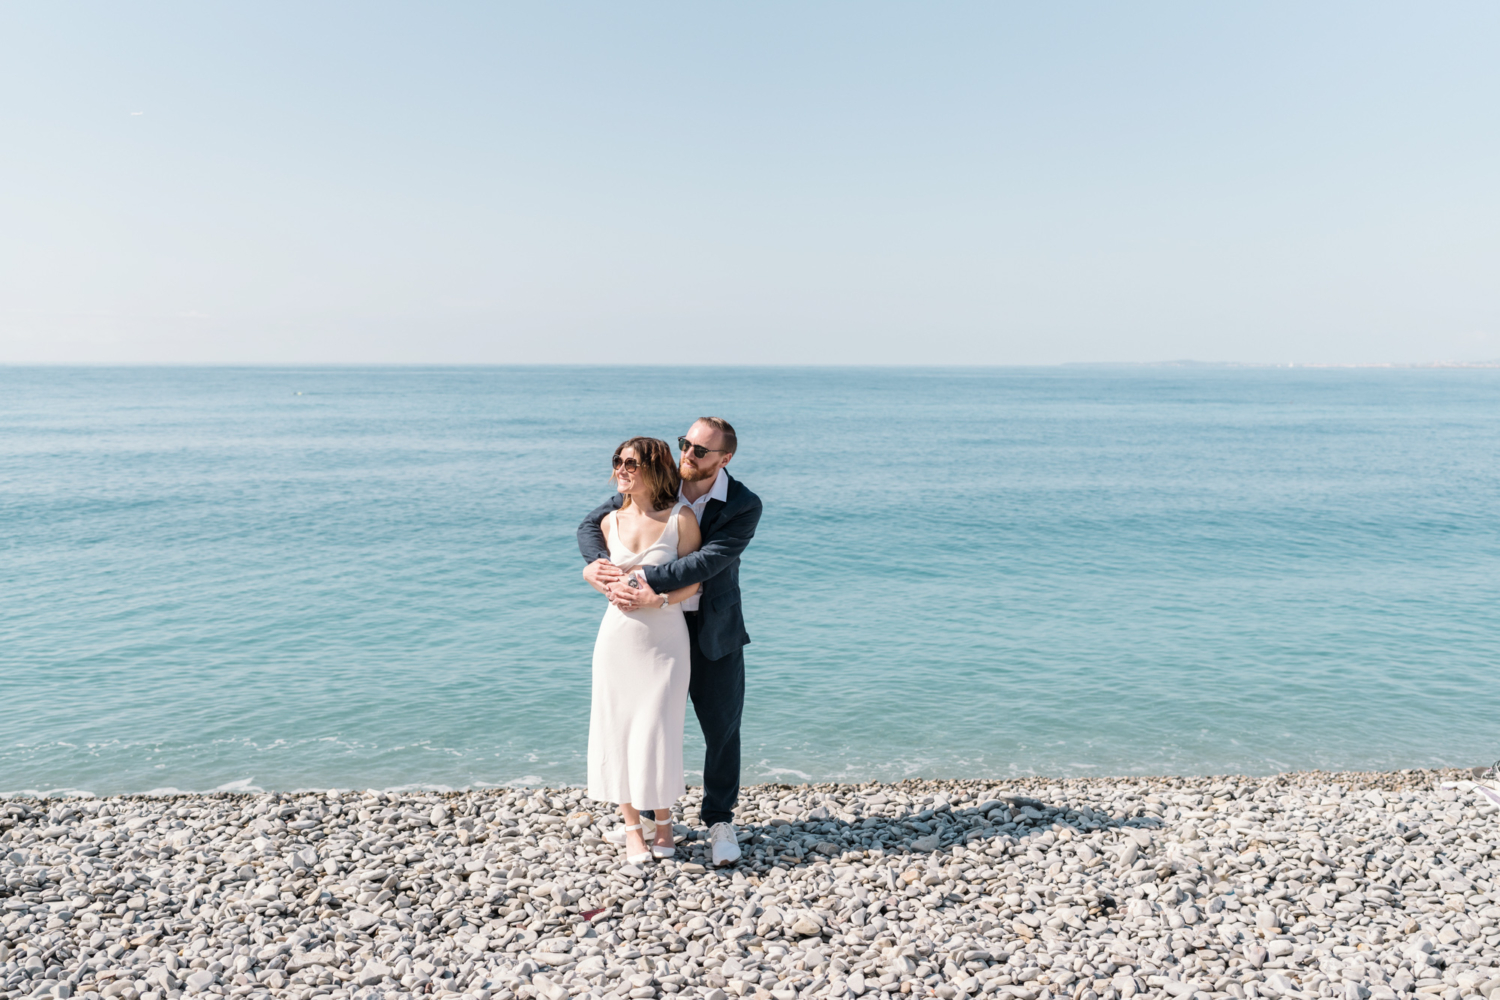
{"x": 665, "y": 600}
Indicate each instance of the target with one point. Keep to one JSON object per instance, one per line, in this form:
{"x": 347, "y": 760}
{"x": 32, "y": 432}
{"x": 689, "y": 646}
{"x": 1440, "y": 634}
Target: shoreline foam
{"x": 1306, "y": 884}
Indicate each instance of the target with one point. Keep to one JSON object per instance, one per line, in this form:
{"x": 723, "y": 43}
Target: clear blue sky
{"x": 763, "y": 183}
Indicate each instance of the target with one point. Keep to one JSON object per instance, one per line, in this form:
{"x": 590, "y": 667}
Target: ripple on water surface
{"x": 213, "y": 582}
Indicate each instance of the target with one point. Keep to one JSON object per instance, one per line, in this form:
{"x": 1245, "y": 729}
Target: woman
{"x": 641, "y": 663}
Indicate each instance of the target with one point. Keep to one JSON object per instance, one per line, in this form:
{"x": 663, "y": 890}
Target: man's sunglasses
{"x": 683, "y": 444}
{"x": 628, "y": 464}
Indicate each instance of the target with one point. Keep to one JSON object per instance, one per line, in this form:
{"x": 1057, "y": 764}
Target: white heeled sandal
{"x": 658, "y": 851}
{"x": 617, "y": 835}
{"x": 637, "y": 859}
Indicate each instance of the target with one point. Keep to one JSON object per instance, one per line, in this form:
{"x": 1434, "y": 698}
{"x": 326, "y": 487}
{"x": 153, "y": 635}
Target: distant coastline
{"x": 1190, "y": 363}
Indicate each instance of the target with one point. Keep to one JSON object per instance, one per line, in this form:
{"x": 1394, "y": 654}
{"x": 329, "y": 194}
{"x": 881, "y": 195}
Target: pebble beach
{"x": 1349, "y": 885}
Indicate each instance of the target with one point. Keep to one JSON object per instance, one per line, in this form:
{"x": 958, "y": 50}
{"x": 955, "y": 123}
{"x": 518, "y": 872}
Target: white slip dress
{"x": 640, "y": 689}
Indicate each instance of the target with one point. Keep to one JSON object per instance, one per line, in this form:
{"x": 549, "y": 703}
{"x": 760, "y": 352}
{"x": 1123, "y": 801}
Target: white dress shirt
{"x": 719, "y": 491}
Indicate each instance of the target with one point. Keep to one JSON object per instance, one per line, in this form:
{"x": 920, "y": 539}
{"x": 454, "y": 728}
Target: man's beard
{"x": 694, "y": 474}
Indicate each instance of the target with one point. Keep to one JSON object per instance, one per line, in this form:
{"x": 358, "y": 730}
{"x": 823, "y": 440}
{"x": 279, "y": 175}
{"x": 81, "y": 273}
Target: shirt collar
{"x": 718, "y": 491}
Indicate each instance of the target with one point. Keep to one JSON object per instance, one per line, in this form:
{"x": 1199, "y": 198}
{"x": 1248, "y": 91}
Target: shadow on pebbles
{"x": 1301, "y": 885}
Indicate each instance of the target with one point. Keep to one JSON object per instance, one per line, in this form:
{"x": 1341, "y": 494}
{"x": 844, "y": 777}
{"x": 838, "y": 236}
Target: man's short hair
{"x": 725, "y": 430}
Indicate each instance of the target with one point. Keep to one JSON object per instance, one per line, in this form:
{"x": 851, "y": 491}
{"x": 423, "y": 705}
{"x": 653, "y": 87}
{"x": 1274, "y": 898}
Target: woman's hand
{"x": 628, "y": 598}
{"x": 601, "y": 573}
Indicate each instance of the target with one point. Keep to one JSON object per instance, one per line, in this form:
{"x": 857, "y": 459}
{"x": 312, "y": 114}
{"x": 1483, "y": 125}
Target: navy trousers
{"x": 717, "y": 688}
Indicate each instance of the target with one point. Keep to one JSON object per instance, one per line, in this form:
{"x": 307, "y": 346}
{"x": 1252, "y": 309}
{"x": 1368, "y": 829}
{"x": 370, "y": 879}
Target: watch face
{"x": 635, "y": 584}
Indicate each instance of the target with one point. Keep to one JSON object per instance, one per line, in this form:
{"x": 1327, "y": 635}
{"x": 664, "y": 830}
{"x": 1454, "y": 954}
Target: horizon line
{"x": 1176, "y": 363}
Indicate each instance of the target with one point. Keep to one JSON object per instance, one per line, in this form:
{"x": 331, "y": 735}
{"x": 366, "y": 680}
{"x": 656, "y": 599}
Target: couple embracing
{"x": 666, "y": 552}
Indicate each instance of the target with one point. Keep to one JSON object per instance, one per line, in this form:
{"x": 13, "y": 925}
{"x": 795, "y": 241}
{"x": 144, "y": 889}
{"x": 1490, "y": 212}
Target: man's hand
{"x": 628, "y": 598}
{"x": 601, "y": 573}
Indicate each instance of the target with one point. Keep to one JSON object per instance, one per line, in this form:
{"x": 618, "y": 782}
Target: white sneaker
{"x": 617, "y": 835}
{"x": 724, "y": 844}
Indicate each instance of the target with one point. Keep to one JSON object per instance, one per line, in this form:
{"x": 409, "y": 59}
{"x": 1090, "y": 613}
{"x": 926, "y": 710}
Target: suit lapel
{"x": 712, "y": 510}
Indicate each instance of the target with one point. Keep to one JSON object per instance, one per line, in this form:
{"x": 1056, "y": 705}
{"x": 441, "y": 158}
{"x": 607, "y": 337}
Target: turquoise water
{"x": 290, "y": 578}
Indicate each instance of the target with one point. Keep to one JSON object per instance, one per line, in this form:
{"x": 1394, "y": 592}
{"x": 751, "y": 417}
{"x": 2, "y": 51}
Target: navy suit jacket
{"x": 727, "y": 527}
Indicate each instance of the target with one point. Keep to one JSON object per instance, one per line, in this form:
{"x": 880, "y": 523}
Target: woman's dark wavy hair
{"x": 657, "y": 469}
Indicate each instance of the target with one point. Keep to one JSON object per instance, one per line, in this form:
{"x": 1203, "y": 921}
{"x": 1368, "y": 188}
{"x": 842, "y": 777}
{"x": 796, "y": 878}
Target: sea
{"x": 341, "y": 577}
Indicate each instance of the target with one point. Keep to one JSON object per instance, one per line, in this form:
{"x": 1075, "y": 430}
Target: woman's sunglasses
{"x": 628, "y": 464}
{"x": 683, "y": 444}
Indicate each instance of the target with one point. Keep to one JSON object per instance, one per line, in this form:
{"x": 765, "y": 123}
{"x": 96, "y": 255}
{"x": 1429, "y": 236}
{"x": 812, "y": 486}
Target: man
{"x": 727, "y": 514}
